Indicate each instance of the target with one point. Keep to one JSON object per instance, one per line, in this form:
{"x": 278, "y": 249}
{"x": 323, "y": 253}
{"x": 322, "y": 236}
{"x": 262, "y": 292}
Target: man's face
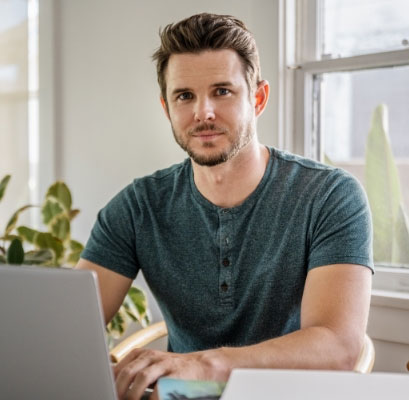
{"x": 209, "y": 106}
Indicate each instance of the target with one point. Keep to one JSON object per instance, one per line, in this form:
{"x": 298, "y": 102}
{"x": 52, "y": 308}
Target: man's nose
{"x": 204, "y": 110}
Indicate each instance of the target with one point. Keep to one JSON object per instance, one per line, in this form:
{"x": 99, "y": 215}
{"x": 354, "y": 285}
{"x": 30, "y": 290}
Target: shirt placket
{"x": 226, "y": 260}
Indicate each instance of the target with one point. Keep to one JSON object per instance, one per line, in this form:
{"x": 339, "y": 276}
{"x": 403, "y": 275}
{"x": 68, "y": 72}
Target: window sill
{"x": 391, "y": 299}
{"x": 391, "y": 279}
{"x": 389, "y": 314}
{"x": 389, "y": 317}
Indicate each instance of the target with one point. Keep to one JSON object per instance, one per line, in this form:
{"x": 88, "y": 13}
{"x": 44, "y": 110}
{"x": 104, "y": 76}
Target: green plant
{"x": 382, "y": 184}
{"x": 390, "y": 221}
{"x": 55, "y": 248}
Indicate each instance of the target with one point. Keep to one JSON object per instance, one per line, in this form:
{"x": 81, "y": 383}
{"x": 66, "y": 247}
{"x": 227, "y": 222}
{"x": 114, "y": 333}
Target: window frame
{"x": 47, "y": 97}
{"x": 300, "y": 62}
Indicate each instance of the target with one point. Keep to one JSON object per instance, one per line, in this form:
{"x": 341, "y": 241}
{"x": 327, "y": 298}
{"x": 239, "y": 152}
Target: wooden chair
{"x": 153, "y": 332}
{"x": 366, "y": 358}
{"x": 139, "y": 339}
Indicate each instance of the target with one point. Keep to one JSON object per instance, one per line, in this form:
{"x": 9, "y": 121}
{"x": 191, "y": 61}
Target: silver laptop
{"x": 52, "y": 340}
{"x": 267, "y": 384}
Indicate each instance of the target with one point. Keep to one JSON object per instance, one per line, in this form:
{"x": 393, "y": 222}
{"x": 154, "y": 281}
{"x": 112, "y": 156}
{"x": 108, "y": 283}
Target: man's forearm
{"x": 308, "y": 348}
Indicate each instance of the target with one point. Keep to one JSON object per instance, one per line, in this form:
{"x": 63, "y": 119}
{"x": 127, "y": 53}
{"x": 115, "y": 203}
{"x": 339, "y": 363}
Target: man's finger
{"x": 132, "y": 355}
{"x": 145, "y": 378}
{"x": 126, "y": 372}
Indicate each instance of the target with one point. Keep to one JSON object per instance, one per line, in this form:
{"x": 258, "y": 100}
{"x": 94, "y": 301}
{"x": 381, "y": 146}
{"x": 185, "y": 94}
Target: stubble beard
{"x": 240, "y": 139}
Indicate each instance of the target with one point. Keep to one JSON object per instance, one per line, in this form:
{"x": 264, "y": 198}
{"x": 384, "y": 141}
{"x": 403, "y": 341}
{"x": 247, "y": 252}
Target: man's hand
{"x": 141, "y": 368}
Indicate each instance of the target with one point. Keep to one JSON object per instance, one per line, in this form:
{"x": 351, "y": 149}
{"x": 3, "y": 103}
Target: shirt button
{"x": 226, "y": 262}
{"x": 224, "y": 286}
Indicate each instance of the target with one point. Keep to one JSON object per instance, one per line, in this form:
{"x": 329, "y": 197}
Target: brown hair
{"x": 208, "y": 32}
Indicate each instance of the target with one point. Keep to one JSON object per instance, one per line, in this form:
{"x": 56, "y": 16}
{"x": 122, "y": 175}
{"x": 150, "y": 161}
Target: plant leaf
{"x": 74, "y": 257}
{"x": 27, "y": 234}
{"x": 3, "y": 185}
{"x": 400, "y": 253}
{"x": 45, "y": 241}
{"x": 328, "y": 161}
{"x": 76, "y": 246}
{"x": 13, "y": 220}
{"x": 382, "y": 185}
{"x": 9, "y": 238}
{"x": 139, "y": 300}
{"x": 75, "y": 254}
{"x": 15, "y": 252}
{"x": 118, "y": 324}
{"x": 50, "y": 210}
{"x": 38, "y": 257}
{"x": 2, "y": 259}
{"x": 132, "y": 316}
{"x": 60, "y": 228}
{"x": 73, "y": 214}
{"x": 60, "y": 192}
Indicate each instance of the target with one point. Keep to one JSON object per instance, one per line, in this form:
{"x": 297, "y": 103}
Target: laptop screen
{"x": 52, "y": 336}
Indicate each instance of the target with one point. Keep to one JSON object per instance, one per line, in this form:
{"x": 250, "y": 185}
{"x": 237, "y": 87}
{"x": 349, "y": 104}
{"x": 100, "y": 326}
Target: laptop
{"x": 52, "y": 336}
{"x": 267, "y": 384}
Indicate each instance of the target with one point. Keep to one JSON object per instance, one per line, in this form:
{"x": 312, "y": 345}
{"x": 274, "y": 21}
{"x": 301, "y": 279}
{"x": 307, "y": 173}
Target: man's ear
{"x": 261, "y": 96}
{"x": 164, "y": 106}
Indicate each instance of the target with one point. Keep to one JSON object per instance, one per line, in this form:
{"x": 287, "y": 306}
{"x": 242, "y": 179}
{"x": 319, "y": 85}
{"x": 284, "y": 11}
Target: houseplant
{"x": 54, "y": 247}
{"x": 382, "y": 183}
{"x": 383, "y": 188}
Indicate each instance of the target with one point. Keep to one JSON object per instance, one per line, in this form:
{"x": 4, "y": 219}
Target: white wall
{"x": 388, "y": 326}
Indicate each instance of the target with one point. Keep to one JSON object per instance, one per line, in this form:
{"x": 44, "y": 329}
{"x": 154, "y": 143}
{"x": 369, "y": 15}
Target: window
{"x": 353, "y": 27}
{"x": 346, "y": 95}
{"x": 26, "y": 81}
{"x": 18, "y": 102}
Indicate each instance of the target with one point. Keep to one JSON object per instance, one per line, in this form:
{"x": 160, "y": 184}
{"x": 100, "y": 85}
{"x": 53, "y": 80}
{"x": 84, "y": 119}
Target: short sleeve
{"x": 112, "y": 240}
{"x": 341, "y": 229}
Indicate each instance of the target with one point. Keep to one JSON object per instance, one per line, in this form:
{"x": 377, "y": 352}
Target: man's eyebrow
{"x": 180, "y": 90}
{"x": 222, "y": 84}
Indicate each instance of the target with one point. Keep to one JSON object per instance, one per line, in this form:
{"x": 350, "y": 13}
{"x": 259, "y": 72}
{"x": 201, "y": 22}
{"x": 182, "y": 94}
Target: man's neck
{"x": 230, "y": 183}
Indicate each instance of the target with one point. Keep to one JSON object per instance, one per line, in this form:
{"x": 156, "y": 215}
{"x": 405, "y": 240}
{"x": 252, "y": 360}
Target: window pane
{"x": 18, "y": 102}
{"x": 347, "y": 104}
{"x": 354, "y": 27}
{"x": 13, "y": 105}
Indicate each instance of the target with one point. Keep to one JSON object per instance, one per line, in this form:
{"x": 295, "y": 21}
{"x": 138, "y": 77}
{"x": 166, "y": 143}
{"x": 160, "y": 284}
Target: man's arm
{"x": 113, "y": 287}
{"x": 334, "y": 315}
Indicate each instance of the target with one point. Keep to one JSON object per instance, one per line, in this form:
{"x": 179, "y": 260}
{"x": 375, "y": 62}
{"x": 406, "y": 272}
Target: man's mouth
{"x": 207, "y": 132}
{"x": 207, "y": 135}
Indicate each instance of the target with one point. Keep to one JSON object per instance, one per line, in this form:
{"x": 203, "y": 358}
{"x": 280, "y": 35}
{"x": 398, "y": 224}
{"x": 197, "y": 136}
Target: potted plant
{"x": 54, "y": 247}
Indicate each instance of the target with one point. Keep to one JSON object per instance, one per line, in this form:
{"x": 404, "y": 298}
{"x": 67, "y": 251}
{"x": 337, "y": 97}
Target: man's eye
{"x": 222, "y": 91}
{"x": 185, "y": 96}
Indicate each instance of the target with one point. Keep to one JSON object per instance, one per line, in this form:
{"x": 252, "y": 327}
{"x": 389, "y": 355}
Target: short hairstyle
{"x": 203, "y": 32}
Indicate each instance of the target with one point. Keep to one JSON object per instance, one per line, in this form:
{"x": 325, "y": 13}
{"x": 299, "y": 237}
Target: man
{"x": 256, "y": 257}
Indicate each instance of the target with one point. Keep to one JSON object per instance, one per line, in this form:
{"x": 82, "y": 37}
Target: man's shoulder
{"x": 156, "y": 185}
{"x": 297, "y": 161}
{"x": 164, "y": 177}
{"x": 295, "y": 171}
{"x": 304, "y": 168}
{"x": 154, "y": 190}
{"x": 168, "y": 172}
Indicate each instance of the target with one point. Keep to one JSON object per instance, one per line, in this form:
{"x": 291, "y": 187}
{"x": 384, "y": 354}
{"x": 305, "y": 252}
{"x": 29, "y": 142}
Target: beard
{"x": 236, "y": 142}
